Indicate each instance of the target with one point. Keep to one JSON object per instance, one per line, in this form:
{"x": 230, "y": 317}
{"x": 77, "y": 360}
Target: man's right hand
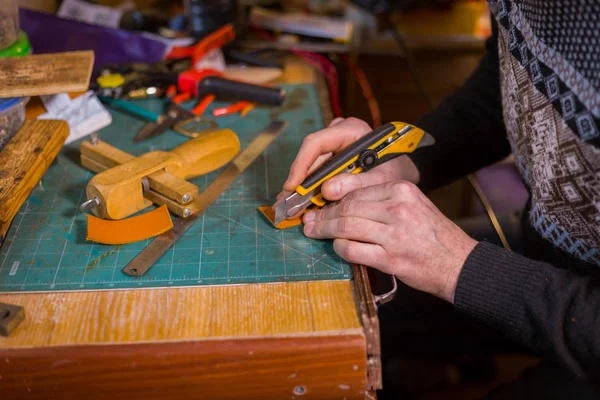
{"x": 318, "y": 147}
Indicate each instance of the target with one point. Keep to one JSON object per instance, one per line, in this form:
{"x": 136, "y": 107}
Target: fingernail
{"x": 334, "y": 188}
{"x": 310, "y": 216}
{"x": 308, "y": 228}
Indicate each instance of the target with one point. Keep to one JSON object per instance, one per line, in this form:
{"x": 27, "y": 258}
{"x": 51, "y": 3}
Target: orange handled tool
{"x": 126, "y": 184}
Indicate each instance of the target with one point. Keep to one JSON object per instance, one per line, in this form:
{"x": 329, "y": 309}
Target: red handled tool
{"x": 215, "y": 40}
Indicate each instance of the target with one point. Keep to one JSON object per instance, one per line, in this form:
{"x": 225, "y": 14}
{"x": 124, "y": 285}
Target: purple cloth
{"x": 51, "y": 34}
{"x": 504, "y": 188}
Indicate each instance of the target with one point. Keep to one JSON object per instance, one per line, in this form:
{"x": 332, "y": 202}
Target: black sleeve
{"x": 468, "y": 126}
{"x": 554, "y": 312}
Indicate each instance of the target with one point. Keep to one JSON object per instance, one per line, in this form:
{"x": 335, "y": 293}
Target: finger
{"x": 371, "y": 255}
{"x": 320, "y": 160}
{"x": 352, "y": 228}
{"x": 283, "y": 195}
{"x": 374, "y": 211}
{"x": 336, "y": 121}
{"x": 380, "y": 192}
{"x": 329, "y": 140}
{"x": 339, "y": 186}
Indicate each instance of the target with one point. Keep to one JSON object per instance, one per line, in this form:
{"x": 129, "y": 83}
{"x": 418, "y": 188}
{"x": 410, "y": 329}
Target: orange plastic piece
{"x": 219, "y": 112}
{"x": 247, "y": 109}
{"x": 215, "y": 40}
{"x": 268, "y": 212}
{"x": 205, "y": 102}
{"x": 180, "y": 98}
{"x": 129, "y": 230}
{"x": 171, "y": 91}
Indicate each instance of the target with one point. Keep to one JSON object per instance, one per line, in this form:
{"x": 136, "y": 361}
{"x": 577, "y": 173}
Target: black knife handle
{"x": 240, "y": 91}
{"x": 348, "y": 153}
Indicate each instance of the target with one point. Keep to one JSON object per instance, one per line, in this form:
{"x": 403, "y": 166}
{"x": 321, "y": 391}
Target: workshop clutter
{"x": 13, "y": 43}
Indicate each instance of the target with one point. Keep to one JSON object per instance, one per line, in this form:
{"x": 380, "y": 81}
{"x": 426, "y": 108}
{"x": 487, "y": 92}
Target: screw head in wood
{"x": 186, "y": 198}
{"x": 187, "y": 212}
{"x": 299, "y": 390}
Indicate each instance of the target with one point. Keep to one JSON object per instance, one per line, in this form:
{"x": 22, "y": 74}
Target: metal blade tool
{"x": 380, "y": 145}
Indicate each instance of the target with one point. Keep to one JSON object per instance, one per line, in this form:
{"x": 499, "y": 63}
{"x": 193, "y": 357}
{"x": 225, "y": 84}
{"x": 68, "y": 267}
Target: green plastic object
{"x": 21, "y": 47}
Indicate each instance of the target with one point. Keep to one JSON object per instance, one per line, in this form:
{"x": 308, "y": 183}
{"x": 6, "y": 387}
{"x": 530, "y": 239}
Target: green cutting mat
{"x": 232, "y": 243}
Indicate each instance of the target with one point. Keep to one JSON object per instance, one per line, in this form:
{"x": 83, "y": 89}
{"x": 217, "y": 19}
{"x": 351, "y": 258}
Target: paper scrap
{"x": 90, "y": 13}
{"x": 214, "y": 59}
{"x": 84, "y": 114}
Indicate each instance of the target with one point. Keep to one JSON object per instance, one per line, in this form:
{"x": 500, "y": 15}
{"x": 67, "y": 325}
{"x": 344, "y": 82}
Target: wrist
{"x": 455, "y": 266}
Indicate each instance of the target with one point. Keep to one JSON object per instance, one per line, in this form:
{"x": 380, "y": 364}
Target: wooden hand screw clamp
{"x": 126, "y": 184}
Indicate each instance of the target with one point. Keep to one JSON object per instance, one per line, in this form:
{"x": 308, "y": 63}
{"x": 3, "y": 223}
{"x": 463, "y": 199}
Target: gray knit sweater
{"x": 535, "y": 94}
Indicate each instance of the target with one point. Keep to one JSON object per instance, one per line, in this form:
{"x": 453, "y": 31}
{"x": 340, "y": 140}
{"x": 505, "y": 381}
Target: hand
{"x": 318, "y": 147}
{"x": 395, "y": 228}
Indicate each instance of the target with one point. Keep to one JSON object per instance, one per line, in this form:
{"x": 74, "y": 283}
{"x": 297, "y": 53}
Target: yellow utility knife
{"x": 380, "y": 145}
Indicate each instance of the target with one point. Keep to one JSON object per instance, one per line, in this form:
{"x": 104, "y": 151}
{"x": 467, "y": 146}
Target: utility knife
{"x": 380, "y": 145}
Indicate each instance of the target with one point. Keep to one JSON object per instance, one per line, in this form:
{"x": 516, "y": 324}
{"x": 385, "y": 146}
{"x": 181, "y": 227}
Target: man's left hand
{"x": 396, "y": 229}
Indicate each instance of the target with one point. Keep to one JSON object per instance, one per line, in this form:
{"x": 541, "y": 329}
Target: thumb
{"x": 339, "y": 186}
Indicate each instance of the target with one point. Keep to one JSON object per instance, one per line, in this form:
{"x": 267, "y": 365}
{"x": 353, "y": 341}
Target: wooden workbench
{"x": 308, "y": 340}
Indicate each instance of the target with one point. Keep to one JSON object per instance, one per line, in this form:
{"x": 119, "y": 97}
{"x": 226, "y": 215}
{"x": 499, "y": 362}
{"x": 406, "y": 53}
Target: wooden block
{"x": 45, "y": 74}
{"x": 119, "y": 189}
{"x": 24, "y": 161}
{"x": 102, "y": 156}
{"x": 308, "y": 367}
{"x": 10, "y": 318}
{"x": 173, "y": 187}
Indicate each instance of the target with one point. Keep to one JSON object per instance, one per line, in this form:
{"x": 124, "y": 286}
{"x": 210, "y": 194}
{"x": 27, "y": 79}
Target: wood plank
{"x": 322, "y": 367}
{"x": 45, "y": 73}
{"x": 199, "y": 313}
{"x": 24, "y": 161}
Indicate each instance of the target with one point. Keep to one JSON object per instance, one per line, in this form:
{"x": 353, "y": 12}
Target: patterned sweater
{"x": 536, "y": 94}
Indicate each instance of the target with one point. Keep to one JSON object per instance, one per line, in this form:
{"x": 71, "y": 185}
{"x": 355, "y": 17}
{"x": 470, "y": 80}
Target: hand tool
{"x": 126, "y": 184}
{"x": 198, "y": 84}
{"x": 215, "y": 40}
{"x": 140, "y": 264}
{"x": 24, "y": 161}
{"x": 206, "y": 85}
{"x": 176, "y": 117}
{"x": 207, "y": 82}
{"x": 232, "y": 109}
{"x": 382, "y": 144}
{"x": 131, "y": 107}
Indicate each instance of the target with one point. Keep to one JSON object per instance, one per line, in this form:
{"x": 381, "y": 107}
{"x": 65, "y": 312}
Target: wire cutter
{"x": 380, "y": 145}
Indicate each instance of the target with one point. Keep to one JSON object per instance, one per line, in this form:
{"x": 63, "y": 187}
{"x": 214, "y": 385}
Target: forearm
{"x": 468, "y": 127}
{"x": 553, "y": 311}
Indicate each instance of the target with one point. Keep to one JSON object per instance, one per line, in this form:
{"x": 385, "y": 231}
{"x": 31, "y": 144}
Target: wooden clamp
{"x": 126, "y": 184}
